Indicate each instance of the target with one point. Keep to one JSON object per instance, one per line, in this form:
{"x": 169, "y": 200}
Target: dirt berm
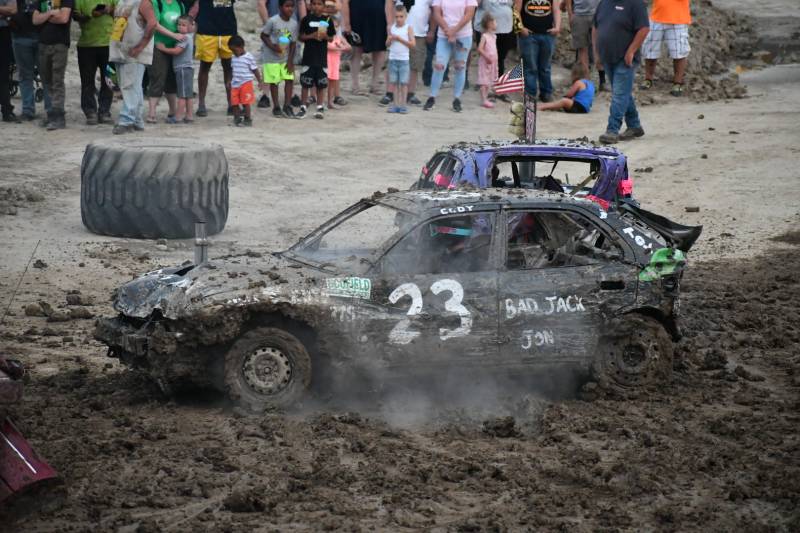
{"x": 715, "y": 450}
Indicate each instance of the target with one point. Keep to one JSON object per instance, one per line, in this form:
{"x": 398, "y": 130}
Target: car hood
{"x": 180, "y": 291}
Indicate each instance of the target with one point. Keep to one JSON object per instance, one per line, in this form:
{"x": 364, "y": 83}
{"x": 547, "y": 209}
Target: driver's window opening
{"x": 451, "y": 244}
{"x": 541, "y": 239}
{"x": 539, "y": 173}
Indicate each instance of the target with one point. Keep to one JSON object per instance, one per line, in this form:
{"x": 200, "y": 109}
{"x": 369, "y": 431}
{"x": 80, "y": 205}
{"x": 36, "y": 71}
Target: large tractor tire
{"x": 151, "y": 188}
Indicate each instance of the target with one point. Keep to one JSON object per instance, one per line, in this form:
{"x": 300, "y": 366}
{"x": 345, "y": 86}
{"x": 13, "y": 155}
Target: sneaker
{"x": 393, "y": 109}
{"x": 601, "y": 87}
{"x": 91, "y": 120}
{"x": 631, "y": 133}
{"x": 263, "y": 102}
{"x": 609, "y": 137}
{"x": 413, "y": 100}
{"x": 121, "y": 129}
{"x": 238, "y": 121}
{"x": 28, "y": 117}
{"x": 296, "y": 101}
{"x": 201, "y": 111}
{"x": 302, "y": 112}
{"x": 386, "y": 100}
{"x": 171, "y": 119}
{"x": 645, "y": 85}
{"x": 487, "y": 104}
{"x": 403, "y": 110}
{"x": 429, "y": 103}
{"x": 320, "y": 113}
{"x": 287, "y": 112}
{"x": 247, "y": 122}
{"x": 277, "y": 113}
{"x": 457, "y": 105}
{"x": 11, "y": 117}
{"x": 230, "y": 110}
{"x": 677, "y": 89}
{"x": 546, "y": 98}
{"x": 57, "y": 123}
{"x": 339, "y": 101}
{"x": 137, "y": 127}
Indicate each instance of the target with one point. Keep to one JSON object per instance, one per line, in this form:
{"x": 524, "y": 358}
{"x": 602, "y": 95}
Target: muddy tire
{"x": 153, "y": 189}
{"x": 636, "y": 352}
{"x": 267, "y": 368}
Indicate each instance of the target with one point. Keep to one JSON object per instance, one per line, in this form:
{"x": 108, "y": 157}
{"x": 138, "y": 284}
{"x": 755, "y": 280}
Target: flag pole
{"x": 529, "y": 103}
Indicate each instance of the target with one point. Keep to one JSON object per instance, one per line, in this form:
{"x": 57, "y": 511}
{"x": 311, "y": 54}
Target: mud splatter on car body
{"x": 507, "y": 279}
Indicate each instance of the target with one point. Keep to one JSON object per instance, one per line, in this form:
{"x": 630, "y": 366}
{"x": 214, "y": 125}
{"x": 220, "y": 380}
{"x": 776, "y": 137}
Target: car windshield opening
{"x": 350, "y": 241}
{"x": 539, "y": 172}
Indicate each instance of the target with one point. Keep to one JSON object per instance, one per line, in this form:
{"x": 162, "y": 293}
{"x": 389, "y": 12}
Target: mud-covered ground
{"x": 716, "y": 449}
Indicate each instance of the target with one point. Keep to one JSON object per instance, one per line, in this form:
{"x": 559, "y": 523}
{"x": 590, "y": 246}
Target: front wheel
{"x": 634, "y": 352}
{"x": 267, "y": 367}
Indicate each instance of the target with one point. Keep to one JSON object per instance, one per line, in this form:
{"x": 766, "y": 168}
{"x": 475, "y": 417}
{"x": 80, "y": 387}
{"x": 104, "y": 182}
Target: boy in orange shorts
{"x": 245, "y": 69}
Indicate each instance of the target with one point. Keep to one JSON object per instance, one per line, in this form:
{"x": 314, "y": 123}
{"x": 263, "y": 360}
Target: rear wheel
{"x": 635, "y": 352}
{"x": 267, "y": 367}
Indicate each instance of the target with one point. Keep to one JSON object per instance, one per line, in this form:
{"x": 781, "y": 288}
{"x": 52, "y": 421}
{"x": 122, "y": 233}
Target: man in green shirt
{"x": 95, "y": 19}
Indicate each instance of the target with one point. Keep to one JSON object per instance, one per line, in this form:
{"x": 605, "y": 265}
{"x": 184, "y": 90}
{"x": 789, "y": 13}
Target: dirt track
{"x": 716, "y": 449}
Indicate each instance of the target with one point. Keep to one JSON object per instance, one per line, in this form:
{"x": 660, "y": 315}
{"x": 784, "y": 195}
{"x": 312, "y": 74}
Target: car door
{"x": 434, "y": 295}
{"x": 563, "y": 275}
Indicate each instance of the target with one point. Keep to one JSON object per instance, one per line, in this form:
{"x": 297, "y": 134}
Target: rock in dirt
{"x": 692, "y": 209}
{"x": 80, "y": 312}
{"x": 39, "y": 264}
{"x": 244, "y": 501}
{"x": 58, "y": 316}
{"x": 746, "y": 375}
{"x": 78, "y": 299}
{"x": 503, "y": 427}
{"x": 34, "y": 310}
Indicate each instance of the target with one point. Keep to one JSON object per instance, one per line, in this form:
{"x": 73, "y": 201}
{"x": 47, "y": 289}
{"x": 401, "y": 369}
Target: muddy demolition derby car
{"x": 507, "y": 280}
{"x": 599, "y": 173}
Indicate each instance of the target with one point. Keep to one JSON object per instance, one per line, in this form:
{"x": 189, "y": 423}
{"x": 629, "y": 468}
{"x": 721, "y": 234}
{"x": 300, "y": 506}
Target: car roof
{"x": 565, "y": 147}
{"x": 423, "y": 201}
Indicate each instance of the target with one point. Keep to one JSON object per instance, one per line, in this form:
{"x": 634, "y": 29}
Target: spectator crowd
{"x": 148, "y": 49}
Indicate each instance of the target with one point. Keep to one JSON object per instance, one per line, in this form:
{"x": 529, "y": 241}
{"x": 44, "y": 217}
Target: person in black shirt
{"x": 541, "y": 22}
{"x": 216, "y": 24}
{"x": 25, "y": 38}
{"x": 53, "y": 17}
{"x": 8, "y": 8}
{"x": 620, "y": 27}
{"x": 316, "y": 29}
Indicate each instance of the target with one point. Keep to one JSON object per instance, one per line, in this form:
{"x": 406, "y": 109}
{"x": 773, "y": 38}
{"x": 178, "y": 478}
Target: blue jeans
{"x": 537, "y": 51}
{"x": 621, "y": 77}
{"x": 459, "y": 50}
{"x": 26, "y": 54}
{"x": 130, "y": 83}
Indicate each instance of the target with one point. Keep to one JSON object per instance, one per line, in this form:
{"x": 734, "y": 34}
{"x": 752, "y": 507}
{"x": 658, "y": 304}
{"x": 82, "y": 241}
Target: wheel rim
{"x": 267, "y": 370}
{"x": 632, "y": 358}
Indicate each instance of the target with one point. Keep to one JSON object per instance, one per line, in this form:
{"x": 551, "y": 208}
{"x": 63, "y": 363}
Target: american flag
{"x": 510, "y": 82}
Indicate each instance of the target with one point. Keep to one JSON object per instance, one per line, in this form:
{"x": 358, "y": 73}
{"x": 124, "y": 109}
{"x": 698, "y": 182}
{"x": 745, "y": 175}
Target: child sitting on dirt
{"x": 184, "y": 69}
{"x": 335, "y": 49}
{"x": 487, "y": 62}
{"x": 316, "y": 31}
{"x": 580, "y": 96}
{"x": 245, "y": 69}
{"x": 279, "y": 39}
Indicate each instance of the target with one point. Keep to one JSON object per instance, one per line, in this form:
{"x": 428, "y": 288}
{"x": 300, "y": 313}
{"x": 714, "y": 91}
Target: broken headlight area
{"x": 666, "y": 264}
{"x": 132, "y": 339}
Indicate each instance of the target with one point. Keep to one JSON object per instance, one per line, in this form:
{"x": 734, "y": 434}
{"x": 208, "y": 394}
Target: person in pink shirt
{"x": 453, "y": 40}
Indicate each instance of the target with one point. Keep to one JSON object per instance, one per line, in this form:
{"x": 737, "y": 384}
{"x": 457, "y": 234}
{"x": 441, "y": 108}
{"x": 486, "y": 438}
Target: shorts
{"x": 334, "y": 62}
{"x": 243, "y": 95}
{"x": 577, "y": 107}
{"x": 416, "y": 58}
{"x": 314, "y": 77}
{"x": 209, "y": 47}
{"x": 676, "y": 36}
{"x": 399, "y": 70}
{"x": 582, "y": 31}
{"x": 184, "y": 81}
{"x": 161, "y": 76}
{"x": 275, "y": 73}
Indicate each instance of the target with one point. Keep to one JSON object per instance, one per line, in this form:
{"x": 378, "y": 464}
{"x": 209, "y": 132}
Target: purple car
{"x": 597, "y": 172}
